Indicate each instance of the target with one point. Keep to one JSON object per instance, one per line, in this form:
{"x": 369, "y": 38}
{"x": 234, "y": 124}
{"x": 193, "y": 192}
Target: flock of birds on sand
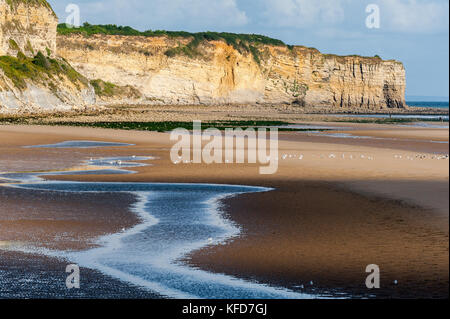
{"x": 116, "y": 162}
{"x": 369, "y": 157}
{"x": 423, "y": 157}
{"x": 344, "y": 157}
{"x": 329, "y": 156}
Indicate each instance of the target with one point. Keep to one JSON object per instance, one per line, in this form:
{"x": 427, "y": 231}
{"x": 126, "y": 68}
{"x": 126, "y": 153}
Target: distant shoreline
{"x": 429, "y": 104}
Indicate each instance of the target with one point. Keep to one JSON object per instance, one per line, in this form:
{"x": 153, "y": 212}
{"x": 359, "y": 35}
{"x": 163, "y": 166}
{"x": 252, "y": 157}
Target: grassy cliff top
{"x": 241, "y": 42}
{"x": 112, "y": 29}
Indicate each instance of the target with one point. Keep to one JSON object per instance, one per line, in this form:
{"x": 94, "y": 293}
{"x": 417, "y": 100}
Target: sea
{"x": 433, "y": 105}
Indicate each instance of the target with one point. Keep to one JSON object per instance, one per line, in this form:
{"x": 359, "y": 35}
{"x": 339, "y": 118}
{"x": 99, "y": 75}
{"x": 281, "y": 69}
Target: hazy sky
{"x": 415, "y": 32}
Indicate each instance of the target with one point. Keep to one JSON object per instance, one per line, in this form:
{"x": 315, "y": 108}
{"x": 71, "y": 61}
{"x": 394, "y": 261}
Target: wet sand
{"x": 327, "y": 235}
{"x": 27, "y": 276}
{"x": 62, "y": 221}
{"x": 439, "y": 135}
{"x": 327, "y": 219}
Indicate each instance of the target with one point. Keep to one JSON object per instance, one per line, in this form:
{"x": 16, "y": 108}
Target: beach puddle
{"x": 123, "y": 162}
{"x": 80, "y": 144}
{"x": 101, "y": 166}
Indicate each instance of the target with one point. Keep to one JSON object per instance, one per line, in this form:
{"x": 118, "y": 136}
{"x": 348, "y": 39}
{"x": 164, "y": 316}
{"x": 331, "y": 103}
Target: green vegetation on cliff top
{"x": 241, "y": 42}
{"x": 111, "y": 29}
{"x": 39, "y": 69}
{"x": 244, "y": 43}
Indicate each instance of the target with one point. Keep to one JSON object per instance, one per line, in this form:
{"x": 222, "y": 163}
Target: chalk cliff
{"x": 28, "y": 26}
{"x": 32, "y": 78}
{"x": 42, "y": 69}
{"x": 222, "y": 74}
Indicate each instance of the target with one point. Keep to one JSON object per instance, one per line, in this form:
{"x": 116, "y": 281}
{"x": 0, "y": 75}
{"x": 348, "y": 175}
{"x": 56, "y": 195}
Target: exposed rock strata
{"x": 222, "y": 75}
{"x": 138, "y": 69}
{"x": 27, "y": 26}
{"x": 27, "y": 30}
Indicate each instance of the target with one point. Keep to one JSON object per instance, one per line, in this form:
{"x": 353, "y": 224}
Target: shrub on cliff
{"x": 39, "y": 69}
{"x": 108, "y": 90}
{"x": 13, "y": 45}
{"x": 103, "y": 88}
{"x": 42, "y": 61}
{"x": 112, "y": 29}
{"x": 244, "y": 43}
{"x": 22, "y": 57}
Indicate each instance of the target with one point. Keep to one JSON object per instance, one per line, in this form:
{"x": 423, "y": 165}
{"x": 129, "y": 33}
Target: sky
{"x": 415, "y": 32}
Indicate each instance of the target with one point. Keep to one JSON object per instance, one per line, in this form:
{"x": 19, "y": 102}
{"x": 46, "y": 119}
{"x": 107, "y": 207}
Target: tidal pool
{"x": 176, "y": 219}
{"x": 79, "y": 144}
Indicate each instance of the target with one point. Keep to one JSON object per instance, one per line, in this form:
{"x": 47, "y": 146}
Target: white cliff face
{"x": 45, "y": 93}
{"x": 38, "y": 99}
{"x": 144, "y": 73}
{"x": 221, "y": 75}
{"x": 28, "y": 26}
{"x": 347, "y": 82}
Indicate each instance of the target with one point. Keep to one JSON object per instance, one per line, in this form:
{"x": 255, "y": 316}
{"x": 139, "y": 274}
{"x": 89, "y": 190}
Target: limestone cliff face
{"x": 222, "y": 75}
{"x": 32, "y": 78}
{"x": 164, "y": 70}
{"x": 37, "y": 98}
{"x": 28, "y": 26}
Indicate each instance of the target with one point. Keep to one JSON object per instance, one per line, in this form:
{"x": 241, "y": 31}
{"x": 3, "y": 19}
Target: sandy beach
{"x": 347, "y": 203}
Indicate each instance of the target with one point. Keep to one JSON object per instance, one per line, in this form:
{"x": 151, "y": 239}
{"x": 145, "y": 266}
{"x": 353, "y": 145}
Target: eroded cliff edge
{"x": 165, "y": 70}
{"x": 46, "y": 67}
{"x": 32, "y": 77}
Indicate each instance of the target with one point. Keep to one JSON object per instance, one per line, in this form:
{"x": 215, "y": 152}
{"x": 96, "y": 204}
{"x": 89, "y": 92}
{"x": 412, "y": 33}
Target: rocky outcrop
{"x": 37, "y": 99}
{"x": 221, "y": 74}
{"x": 41, "y": 84}
{"x": 32, "y": 78}
{"x": 108, "y": 93}
{"x": 28, "y": 26}
{"x": 175, "y": 68}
